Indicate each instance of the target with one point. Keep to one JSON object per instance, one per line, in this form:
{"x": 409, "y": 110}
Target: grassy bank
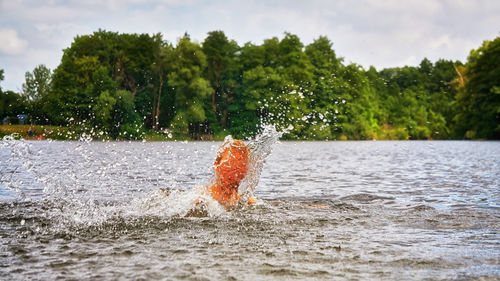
{"x": 45, "y": 131}
{"x": 65, "y": 133}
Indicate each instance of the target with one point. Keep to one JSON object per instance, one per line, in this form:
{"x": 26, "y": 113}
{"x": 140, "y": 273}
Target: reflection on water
{"x": 396, "y": 210}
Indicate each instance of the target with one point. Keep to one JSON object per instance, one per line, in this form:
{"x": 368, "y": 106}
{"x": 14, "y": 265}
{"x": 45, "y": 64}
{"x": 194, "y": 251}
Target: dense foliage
{"x": 121, "y": 85}
{"x": 12, "y": 104}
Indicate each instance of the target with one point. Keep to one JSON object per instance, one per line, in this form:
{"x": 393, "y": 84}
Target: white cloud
{"x": 11, "y": 44}
{"x": 61, "y": 31}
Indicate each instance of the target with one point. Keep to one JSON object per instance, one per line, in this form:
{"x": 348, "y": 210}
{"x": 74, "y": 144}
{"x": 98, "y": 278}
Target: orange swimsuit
{"x": 230, "y": 170}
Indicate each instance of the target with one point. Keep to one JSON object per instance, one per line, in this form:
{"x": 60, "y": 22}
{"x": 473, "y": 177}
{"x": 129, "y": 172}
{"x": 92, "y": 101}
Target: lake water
{"x": 408, "y": 210}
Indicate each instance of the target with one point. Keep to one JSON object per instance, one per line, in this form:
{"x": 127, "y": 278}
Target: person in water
{"x": 230, "y": 169}
{"x": 231, "y": 166}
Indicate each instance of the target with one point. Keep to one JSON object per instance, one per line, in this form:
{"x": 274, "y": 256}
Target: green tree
{"x": 130, "y": 60}
{"x": 326, "y": 93}
{"x": 127, "y": 122}
{"x": 221, "y": 72}
{"x": 478, "y": 100}
{"x": 243, "y": 111}
{"x": 98, "y": 100}
{"x": 1, "y": 77}
{"x": 13, "y": 104}
{"x": 163, "y": 97}
{"x": 103, "y": 111}
{"x": 292, "y": 62}
{"x": 256, "y": 104}
{"x": 191, "y": 89}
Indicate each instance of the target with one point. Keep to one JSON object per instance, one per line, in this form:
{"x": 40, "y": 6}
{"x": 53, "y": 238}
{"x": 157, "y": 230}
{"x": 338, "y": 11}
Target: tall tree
{"x": 188, "y": 62}
{"x": 161, "y": 51}
{"x": 220, "y": 53}
{"x": 483, "y": 72}
{"x": 37, "y": 83}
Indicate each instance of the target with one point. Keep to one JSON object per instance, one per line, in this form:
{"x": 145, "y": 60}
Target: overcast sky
{"x": 382, "y": 33}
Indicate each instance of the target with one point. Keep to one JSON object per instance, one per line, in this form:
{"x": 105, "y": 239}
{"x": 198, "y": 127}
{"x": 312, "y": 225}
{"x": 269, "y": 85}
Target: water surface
{"x": 419, "y": 210}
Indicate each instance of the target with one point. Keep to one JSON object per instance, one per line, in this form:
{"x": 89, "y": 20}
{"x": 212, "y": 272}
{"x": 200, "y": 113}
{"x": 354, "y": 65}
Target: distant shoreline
{"x": 59, "y": 133}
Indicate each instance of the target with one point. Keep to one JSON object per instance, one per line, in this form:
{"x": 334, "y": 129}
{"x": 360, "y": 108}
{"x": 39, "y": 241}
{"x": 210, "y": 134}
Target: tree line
{"x": 123, "y": 85}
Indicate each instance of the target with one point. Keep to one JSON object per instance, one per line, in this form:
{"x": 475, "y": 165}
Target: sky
{"x": 379, "y": 33}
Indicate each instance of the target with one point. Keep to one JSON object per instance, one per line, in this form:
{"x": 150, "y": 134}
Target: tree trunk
{"x": 158, "y": 107}
{"x": 214, "y": 106}
{"x": 154, "y": 112}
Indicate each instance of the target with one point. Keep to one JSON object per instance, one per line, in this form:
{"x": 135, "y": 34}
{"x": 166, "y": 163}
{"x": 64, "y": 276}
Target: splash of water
{"x": 260, "y": 149}
{"x": 15, "y": 157}
{"x": 74, "y": 196}
{"x": 198, "y": 200}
